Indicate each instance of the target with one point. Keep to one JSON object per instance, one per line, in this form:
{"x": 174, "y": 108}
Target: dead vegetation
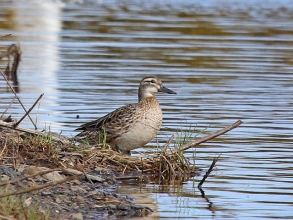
{"x": 13, "y": 208}
{"x": 44, "y": 150}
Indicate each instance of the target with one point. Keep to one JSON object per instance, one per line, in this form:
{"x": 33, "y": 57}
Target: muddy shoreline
{"x": 92, "y": 195}
{"x": 77, "y": 199}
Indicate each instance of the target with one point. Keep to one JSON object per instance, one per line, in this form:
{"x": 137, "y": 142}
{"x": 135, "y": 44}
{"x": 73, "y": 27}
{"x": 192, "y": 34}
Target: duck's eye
{"x": 152, "y": 81}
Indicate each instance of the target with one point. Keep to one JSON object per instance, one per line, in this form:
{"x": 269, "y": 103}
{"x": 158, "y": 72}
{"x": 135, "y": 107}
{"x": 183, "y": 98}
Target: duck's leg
{"x": 121, "y": 151}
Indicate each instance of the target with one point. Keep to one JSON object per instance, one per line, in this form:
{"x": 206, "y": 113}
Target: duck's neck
{"x": 142, "y": 94}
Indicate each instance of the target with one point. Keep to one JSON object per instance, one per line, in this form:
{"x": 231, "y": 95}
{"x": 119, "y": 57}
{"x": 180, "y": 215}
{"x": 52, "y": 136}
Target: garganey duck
{"x": 131, "y": 126}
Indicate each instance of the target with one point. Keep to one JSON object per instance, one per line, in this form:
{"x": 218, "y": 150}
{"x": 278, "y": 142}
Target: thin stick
{"x": 17, "y": 97}
{"x": 8, "y": 106}
{"x": 87, "y": 177}
{"x": 128, "y": 177}
{"x": 208, "y": 172}
{"x": 50, "y": 184}
{"x": 37, "y": 113}
{"x": 170, "y": 166}
{"x": 16, "y": 124}
{"x": 4, "y": 148}
{"x": 124, "y": 170}
{"x": 206, "y": 138}
{"x": 169, "y": 142}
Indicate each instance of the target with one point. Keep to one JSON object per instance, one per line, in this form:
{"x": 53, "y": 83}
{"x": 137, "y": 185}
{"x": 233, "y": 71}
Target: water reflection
{"x": 38, "y": 36}
{"x": 226, "y": 60}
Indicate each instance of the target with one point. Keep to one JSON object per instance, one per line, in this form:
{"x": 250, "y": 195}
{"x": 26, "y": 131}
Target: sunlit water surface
{"x": 227, "y": 60}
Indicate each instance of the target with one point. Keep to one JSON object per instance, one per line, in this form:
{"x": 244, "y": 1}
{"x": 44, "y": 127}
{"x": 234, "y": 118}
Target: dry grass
{"x": 20, "y": 207}
{"x": 18, "y": 148}
{"x": 43, "y": 151}
{"x": 155, "y": 163}
{"x": 159, "y": 164}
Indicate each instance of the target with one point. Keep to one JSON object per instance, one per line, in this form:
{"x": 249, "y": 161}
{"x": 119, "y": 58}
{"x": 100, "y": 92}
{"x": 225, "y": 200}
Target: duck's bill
{"x": 166, "y": 90}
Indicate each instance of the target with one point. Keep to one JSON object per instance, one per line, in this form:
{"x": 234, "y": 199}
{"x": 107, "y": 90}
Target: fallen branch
{"x": 17, "y": 123}
{"x": 207, "y": 138}
{"x": 208, "y": 172}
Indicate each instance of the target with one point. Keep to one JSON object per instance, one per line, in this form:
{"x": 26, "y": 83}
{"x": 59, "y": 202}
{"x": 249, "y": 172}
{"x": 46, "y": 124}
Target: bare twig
{"x": 17, "y": 97}
{"x": 39, "y": 187}
{"x": 4, "y": 148}
{"x": 5, "y": 217}
{"x": 169, "y": 142}
{"x": 87, "y": 177}
{"x": 128, "y": 177}
{"x": 208, "y": 172}
{"x": 207, "y": 138}
{"x": 8, "y": 106}
{"x": 16, "y": 124}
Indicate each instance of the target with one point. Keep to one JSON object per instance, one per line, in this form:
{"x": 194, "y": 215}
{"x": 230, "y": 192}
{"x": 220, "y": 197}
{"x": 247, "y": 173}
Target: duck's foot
{"x": 121, "y": 151}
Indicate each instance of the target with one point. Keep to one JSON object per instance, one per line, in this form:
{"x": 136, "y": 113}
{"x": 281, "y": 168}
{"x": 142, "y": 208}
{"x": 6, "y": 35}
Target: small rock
{"x": 79, "y": 199}
{"x": 11, "y": 173}
{"x": 122, "y": 206}
{"x": 53, "y": 176}
{"x": 110, "y": 212}
{"x": 31, "y": 170}
{"x": 99, "y": 169}
{"x": 94, "y": 206}
{"x": 93, "y": 192}
{"x": 28, "y": 201}
{"x": 46, "y": 193}
{"x": 95, "y": 178}
{"x": 58, "y": 200}
{"x": 76, "y": 216}
{"x": 78, "y": 189}
{"x": 112, "y": 206}
{"x": 4, "y": 178}
{"x": 75, "y": 207}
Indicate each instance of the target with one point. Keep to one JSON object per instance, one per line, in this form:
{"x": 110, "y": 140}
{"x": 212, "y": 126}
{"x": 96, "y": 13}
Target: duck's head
{"x": 150, "y": 85}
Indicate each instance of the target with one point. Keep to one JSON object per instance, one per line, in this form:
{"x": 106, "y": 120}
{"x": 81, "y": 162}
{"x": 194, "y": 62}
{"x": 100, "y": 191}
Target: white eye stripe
{"x": 150, "y": 81}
